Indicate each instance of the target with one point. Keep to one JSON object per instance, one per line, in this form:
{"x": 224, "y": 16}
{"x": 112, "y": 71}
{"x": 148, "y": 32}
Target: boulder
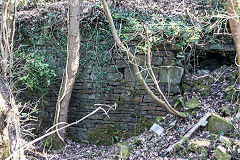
{"x": 221, "y": 154}
{"x": 122, "y": 150}
{"x": 192, "y": 103}
{"x": 199, "y": 146}
{"x": 219, "y": 125}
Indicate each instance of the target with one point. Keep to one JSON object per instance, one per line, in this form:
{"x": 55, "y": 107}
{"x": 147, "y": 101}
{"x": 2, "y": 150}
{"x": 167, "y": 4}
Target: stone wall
{"x": 122, "y": 88}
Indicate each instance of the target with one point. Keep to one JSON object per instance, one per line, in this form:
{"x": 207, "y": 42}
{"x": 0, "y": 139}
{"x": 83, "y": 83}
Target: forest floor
{"x": 212, "y": 91}
{"x": 216, "y": 92}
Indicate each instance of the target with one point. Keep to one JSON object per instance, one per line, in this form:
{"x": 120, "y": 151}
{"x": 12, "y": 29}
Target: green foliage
{"x": 33, "y": 73}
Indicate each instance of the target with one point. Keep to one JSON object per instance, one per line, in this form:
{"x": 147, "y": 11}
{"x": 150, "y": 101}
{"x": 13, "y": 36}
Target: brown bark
{"x": 132, "y": 59}
{"x": 71, "y": 68}
{"x": 10, "y": 126}
{"x": 7, "y": 35}
{"x": 234, "y": 12}
{"x": 10, "y": 132}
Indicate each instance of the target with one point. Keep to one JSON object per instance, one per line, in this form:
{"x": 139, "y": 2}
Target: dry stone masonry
{"x": 121, "y": 87}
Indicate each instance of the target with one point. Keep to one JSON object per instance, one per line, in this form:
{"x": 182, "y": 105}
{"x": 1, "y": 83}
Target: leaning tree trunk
{"x": 234, "y": 22}
{"x": 71, "y": 69}
{"x": 163, "y": 103}
{"x": 9, "y": 113}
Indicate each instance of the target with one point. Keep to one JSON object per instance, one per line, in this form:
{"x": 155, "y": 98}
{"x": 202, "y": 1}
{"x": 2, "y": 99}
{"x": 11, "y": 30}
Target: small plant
{"x": 33, "y": 72}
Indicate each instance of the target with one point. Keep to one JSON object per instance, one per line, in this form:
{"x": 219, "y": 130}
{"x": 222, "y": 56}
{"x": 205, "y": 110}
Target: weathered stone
{"x": 147, "y": 108}
{"x": 192, "y": 103}
{"x": 115, "y": 76}
{"x": 122, "y": 150}
{"x": 225, "y": 111}
{"x": 226, "y": 141}
{"x": 219, "y": 125}
{"x": 113, "y": 97}
{"x": 171, "y": 74}
{"x": 168, "y": 62}
{"x": 157, "y": 61}
{"x": 156, "y": 113}
{"x": 221, "y": 154}
{"x": 121, "y": 63}
{"x": 146, "y": 98}
{"x": 199, "y": 146}
{"x": 137, "y": 99}
{"x": 96, "y": 116}
{"x": 169, "y": 54}
{"x": 174, "y": 89}
{"x": 129, "y": 75}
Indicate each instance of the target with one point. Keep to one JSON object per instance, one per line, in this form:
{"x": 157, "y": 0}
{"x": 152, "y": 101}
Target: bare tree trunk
{"x": 10, "y": 133}
{"x": 164, "y": 103}
{"x": 234, "y": 22}
{"x": 71, "y": 68}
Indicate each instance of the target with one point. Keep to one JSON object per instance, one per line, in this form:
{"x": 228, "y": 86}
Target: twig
{"x": 113, "y": 107}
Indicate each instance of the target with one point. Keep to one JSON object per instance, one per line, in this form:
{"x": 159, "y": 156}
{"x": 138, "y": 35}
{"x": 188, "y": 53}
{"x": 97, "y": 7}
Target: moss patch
{"x": 199, "y": 146}
{"x": 123, "y": 150}
{"x": 113, "y": 133}
{"x": 221, "y": 154}
{"x": 192, "y": 103}
{"x": 219, "y": 125}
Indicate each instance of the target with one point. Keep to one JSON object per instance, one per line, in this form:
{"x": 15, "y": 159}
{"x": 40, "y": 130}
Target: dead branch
{"x": 113, "y": 107}
{"x": 202, "y": 122}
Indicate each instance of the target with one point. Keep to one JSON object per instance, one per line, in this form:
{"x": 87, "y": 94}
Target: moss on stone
{"x": 225, "y": 111}
{"x": 159, "y": 119}
{"x": 121, "y": 99}
{"x": 225, "y": 141}
{"x": 113, "y": 133}
{"x": 192, "y": 103}
{"x": 123, "y": 150}
{"x": 199, "y": 146}
{"x": 221, "y": 154}
{"x": 219, "y": 125}
{"x": 186, "y": 87}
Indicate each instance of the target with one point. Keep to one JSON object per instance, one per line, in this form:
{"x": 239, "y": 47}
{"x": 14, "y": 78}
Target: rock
{"x": 225, "y": 111}
{"x": 219, "y": 125}
{"x": 123, "y": 150}
{"x": 114, "y": 77}
{"x": 199, "y": 146}
{"x": 171, "y": 74}
{"x": 221, "y": 154}
{"x": 227, "y": 143}
{"x": 157, "y": 129}
{"x": 192, "y": 103}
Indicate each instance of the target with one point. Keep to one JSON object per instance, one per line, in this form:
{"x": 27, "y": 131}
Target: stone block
{"x": 121, "y": 63}
{"x": 114, "y": 97}
{"x": 115, "y": 76}
{"x": 137, "y": 99}
{"x": 174, "y": 89}
{"x": 221, "y": 153}
{"x": 96, "y": 116}
{"x": 199, "y": 146}
{"x": 171, "y": 74}
{"x": 219, "y": 125}
{"x": 157, "y": 60}
{"x": 169, "y": 54}
{"x": 146, "y": 98}
{"x": 156, "y": 113}
{"x": 147, "y": 108}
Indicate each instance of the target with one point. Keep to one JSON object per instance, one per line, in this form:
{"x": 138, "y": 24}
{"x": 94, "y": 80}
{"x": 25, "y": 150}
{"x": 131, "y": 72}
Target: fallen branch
{"x": 202, "y": 122}
{"x": 113, "y": 107}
